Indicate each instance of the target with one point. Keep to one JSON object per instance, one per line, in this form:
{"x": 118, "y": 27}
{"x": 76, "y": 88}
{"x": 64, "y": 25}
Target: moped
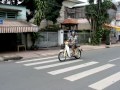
{"x": 67, "y": 52}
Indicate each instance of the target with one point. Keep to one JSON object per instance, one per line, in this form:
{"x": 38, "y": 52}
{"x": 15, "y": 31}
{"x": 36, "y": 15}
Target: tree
{"x": 40, "y": 7}
{"x": 97, "y": 15}
{"x": 52, "y": 13}
{"x": 47, "y": 9}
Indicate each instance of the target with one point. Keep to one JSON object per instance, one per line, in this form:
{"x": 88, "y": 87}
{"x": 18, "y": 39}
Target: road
{"x": 96, "y": 70}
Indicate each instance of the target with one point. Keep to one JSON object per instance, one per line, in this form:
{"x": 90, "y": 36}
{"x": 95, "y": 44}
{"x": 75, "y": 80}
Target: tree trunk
{"x": 16, "y": 2}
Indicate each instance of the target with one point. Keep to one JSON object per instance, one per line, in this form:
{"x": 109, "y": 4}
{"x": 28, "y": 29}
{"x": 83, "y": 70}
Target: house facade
{"x": 14, "y": 30}
{"x": 69, "y": 10}
{"x": 117, "y": 21}
{"x": 65, "y": 4}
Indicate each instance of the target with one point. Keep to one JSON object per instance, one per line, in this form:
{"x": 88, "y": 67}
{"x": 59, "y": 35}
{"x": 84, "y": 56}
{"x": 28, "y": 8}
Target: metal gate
{"x": 48, "y": 39}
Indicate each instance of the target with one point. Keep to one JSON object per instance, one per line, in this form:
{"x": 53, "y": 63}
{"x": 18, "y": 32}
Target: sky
{"x": 115, "y": 0}
{"x": 87, "y": 0}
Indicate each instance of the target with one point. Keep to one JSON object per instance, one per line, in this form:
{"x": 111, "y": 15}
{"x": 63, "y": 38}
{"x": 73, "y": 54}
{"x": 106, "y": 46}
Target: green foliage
{"x": 50, "y": 28}
{"x": 35, "y": 36}
{"x": 97, "y": 15}
{"x": 96, "y": 39}
{"x": 47, "y": 9}
{"x": 91, "y": 1}
{"x": 40, "y": 6}
{"x": 52, "y": 12}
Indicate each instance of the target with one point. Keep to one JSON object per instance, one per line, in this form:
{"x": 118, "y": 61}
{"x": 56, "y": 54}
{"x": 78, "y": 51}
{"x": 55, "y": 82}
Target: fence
{"x": 48, "y": 39}
{"x": 82, "y": 37}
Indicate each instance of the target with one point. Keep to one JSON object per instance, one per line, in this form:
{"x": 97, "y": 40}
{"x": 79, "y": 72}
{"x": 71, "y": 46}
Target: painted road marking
{"x": 39, "y": 59}
{"x": 114, "y": 59}
{"x": 71, "y": 68}
{"x": 38, "y": 63}
{"x": 102, "y": 84}
{"x": 57, "y": 64}
{"x": 89, "y": 72}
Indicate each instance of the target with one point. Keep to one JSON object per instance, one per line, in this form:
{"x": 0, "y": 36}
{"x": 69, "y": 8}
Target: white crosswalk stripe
{"x": 89, "y": 72}
{"x": 72, "y": 68}
{"x": 53, "y": 62}
{"x": 102, "y": 84}
{"x": 39, "y": 59}
{"x": 56, "y": 64}
{"x": 38, "y": 63}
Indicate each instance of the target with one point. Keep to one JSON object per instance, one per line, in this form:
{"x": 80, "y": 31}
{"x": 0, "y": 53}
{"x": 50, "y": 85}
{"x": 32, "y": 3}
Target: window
{"x": 2, "y": 14}
{"x": 11, "y": 15}
{"x": 75, "y": 12}
{"x": 7, "y": 15}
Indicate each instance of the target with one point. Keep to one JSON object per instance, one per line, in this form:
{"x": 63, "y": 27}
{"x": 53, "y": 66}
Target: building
{"x": 117, "y": 21}
{"x": 14, "y": 30}
{"x": 69, "y": 9}
{"x": 66, "y": 3}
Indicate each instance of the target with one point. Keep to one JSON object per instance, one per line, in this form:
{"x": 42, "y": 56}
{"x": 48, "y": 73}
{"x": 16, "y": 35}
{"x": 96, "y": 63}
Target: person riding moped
{"x": 73, "y": 40}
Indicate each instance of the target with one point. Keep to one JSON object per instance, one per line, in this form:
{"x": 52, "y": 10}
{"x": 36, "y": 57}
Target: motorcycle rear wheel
{"x": 78, "y": 54}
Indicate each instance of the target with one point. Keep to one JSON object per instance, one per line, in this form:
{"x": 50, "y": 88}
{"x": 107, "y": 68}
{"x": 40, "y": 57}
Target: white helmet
{"x": 73, "y": 32}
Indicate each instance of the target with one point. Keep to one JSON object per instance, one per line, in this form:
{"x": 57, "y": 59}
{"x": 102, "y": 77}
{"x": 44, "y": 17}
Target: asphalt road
{"x": 96, "y": 70}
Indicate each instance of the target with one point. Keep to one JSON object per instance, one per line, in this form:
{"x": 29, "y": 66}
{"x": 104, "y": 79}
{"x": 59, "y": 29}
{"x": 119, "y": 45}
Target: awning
{"x": 111, "y": 26}
{"x": 15, "y": 26}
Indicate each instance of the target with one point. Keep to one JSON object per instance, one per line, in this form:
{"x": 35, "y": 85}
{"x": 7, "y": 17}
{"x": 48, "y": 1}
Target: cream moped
{"x": 67, "y": 52}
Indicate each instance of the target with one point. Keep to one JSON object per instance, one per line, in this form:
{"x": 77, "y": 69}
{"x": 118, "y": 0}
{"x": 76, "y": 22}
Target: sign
{"x": 1, "y": 21}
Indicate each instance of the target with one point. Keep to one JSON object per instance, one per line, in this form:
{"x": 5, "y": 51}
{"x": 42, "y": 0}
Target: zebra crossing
{"x": 52, "y": 62}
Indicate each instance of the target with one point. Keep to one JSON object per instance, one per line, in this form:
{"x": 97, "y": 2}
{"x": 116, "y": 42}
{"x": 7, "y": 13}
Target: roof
{"x": 8, "y": 9}
{"x": 70, "y": 21}
{"x": 16, "y": 23}
{"x": 15, "y": 26}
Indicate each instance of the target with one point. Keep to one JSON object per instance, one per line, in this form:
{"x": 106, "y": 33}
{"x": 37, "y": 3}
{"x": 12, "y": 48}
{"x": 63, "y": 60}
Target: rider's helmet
{"x": 73, "y": 33}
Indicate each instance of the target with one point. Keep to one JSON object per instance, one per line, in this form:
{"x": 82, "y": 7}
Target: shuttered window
{"x": 8, "y": 15}
{"x": 2, "y": 14}
{"x": 11, "y": 15}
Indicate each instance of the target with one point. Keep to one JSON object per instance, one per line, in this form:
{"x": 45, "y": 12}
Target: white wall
{"x": 60, "y": 37}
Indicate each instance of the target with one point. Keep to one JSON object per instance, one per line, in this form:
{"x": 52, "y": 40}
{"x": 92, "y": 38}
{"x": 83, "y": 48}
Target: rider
{"x": 73, "y": 41}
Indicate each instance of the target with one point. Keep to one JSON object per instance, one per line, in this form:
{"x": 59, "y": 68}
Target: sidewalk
{"x": 45, "y": 52}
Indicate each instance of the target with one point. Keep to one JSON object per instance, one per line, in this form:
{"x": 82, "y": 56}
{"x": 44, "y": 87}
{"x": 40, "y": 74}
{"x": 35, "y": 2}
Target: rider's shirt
{"x": 73, "y": 39}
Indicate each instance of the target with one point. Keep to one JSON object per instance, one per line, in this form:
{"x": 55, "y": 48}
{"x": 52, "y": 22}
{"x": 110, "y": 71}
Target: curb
{"x": 7, "y": 58}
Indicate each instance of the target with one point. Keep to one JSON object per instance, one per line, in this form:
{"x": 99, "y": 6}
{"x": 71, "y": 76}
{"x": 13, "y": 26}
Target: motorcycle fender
{"x": 61, "y": 50}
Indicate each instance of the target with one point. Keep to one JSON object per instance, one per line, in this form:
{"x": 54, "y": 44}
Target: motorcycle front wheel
{"x": 61, "y": 56}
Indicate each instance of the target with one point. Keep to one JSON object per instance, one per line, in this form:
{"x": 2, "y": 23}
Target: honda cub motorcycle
{"x": 67, "y": 52}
